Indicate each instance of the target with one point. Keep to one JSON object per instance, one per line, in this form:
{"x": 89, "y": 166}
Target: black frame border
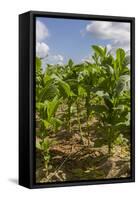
{"x": 31, "y": 183}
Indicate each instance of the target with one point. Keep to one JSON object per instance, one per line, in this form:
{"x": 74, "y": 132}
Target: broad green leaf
{"x": 70, "y": 62}
{"x": 52, "y": 107}
{"x": 66, "y": 87}
{"x": 46, "y": 123}
{"x": 39, "y": 105}
{"x": 100, "y": 93}
{"x": 126, "y": 61}
{"x": 108, "y": 102}
{"x": 49, "y": 91}
{"x": 38, "y": 64}
{"x": 56, "y": 123}
{"x": 99, "y": 108}
{"x": 38, "y": 145}
{"x": 122, "y": 84}
{"x": 81, "y": 91}
{"x": 99, "y": 50}
{"x": 46, "y": 144}
{"x": 120, "y": 56}
{"x": 109, "y": 69}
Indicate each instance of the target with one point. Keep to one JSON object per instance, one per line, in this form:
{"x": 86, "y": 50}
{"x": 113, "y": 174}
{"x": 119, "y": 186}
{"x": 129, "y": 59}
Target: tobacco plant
{"x": 114, "y": 111}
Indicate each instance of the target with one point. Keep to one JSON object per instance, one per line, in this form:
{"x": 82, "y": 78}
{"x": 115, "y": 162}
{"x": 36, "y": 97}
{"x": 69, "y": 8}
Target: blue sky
{"x": 62, "y": 39}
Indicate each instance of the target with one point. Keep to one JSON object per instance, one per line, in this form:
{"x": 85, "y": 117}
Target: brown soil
{"x": 72, "y": 161}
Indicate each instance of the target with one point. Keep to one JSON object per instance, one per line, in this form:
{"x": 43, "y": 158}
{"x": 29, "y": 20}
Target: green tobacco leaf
{"x": 100, "y": 93}
{"x": 38, "y": 145}
{"x": 121, "y": 84}
{"x": 99, "y": 108}
{"x": 119, "y": 107}
{"x": 108, "y": 61}
{"x": 109, "y": 69}
{"x": 126, "y": 61}
{"x": 70, "y": 62}
{"x": 81, "y": 91}
{"x": 125, "y": 70}
{"x": 120, "y": 56}
{"x": 45, "y": 123}
{"x": 48, "y": 92}
{"x": 38, "y": 64}
{"x": 108, "y": 102}
{"x": 55, "y": 122}
{"x": 99, "y": 50}
{"x": 66, "y": 87}
{"x": 39, "y": 105}
{"x": 47, "y": 78}
{"x": 46, "y": 144}
{"x": 52, "y": 107}
{"x": 120, "y": 140}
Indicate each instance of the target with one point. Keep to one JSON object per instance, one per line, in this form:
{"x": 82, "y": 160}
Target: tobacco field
{"x": 83, "y": 118}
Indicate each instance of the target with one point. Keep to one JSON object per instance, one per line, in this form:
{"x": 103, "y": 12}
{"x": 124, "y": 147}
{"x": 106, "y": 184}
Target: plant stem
{"x": 78, "y": 119}
{"x": 69, "y": 117}
{"x": 88, "y": 131}
{"x": 109, "y": 141}
{"x": 87, "y": 115}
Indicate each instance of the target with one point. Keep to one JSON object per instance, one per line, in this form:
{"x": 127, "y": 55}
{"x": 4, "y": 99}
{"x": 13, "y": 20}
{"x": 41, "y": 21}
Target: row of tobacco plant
{"x": 97, "y": 89}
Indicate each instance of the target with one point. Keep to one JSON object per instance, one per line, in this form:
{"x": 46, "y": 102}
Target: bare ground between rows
{"x": 73, "y": 161}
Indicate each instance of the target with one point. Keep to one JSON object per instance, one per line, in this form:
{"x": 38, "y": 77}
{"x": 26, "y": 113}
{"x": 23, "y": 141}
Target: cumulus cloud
{"x": 55, "y": 59}
{"x": 117, "y": 33}
{"x": 87, "y": 58}
{"x": 41, "y": 49}
{"x": 52, "y": 59}
{"x": 41, "y": 34}
{"x": 58, "y": 58}
{"x": 41, "y": 31}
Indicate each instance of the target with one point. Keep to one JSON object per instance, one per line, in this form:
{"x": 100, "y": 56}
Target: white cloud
{"x": 58, "y": 58}
{"x": 117, "y": 32}
{"x": 41, "y": 34}
{"x": 87, "y": 59}
{"x": 41, "y": 31}
{"x": 41, "y": 49}
{"x": 55, "y": 59}
{"x": 52, "y": 60}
